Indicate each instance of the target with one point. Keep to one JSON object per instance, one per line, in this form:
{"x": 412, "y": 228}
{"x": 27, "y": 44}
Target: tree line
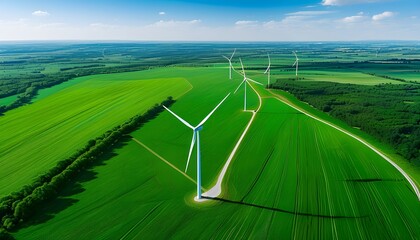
{"x": 18, "y": 206}
{"x": 389, "y": 112}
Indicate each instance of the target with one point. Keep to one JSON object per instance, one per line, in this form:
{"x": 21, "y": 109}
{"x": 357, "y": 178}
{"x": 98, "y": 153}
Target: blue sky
{"x": 217, "y": 20}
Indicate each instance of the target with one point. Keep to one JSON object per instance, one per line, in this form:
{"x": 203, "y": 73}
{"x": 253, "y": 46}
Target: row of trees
{"x": 19, "y": 206}
{"x": 389, "y": 112}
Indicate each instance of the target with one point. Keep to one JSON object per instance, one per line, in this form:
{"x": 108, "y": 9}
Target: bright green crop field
{"x": 36, "y": 136}
{"x": 292, "y": 177}
{"x": 345, "y": 77}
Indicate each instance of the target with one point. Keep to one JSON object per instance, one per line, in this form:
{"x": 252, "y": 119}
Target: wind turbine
{"x": 230, "y": 63}
{"x": 268, "y": 71}
{"x": 297, "y": 64}
{"x": 196, "y": 138}
{"x": 246, "y": 82}
{"x": 377, "y": 51}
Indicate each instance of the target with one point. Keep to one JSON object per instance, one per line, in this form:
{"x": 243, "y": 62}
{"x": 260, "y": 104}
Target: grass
{"x": 293, "y": 177}
{"x": 36, "y": 136}
{"x": 409, "y": 75}
{"x": 321, "y": 172}
{"x": 8, "y": 100}
{"x": 411, "y": 169}
{"x": 344, "y": 77}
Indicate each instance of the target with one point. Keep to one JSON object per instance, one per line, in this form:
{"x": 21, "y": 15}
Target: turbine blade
{"x": 233, "y": 54}
{"x": 239, "y": 86}
{"x": 294, "y": 63}
{"x": 180, "y": 119}
{"x": 191, "y": 149}
{"x": 269, "y": 60}
{"x": 208, "y": 116}
{"x": 243, "y": 71}
{"x": 295, "y": 54}
{"x": 254, "y": 81}
{"x": 226, "y": 58}
{"x": 268, "y": 68}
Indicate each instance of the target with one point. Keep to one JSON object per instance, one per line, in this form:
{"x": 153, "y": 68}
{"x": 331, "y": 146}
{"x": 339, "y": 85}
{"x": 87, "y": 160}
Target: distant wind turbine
{"x": 230, "y": 63}
{"x": 196, "y": 138}
{"x": 246, "y": 82}
{"x": 268, "y": 71}
{"x": 296, "y": 63}
{"x": 377, "y": 52}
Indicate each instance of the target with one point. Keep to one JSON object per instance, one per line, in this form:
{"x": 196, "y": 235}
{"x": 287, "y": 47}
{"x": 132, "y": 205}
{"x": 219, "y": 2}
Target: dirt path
{"x": 286, "y": 101}
{"x": 216, "y": 190}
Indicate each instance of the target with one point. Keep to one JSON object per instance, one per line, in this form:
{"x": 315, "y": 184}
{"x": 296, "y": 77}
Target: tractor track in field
{"x": 406, "y": 176}
{"x": 258, "y": 175}
{"x": 141, "y": 220}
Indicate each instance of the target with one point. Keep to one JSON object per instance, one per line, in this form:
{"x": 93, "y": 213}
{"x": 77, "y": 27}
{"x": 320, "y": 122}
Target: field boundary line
{"x": 163, "y": 159}
{"x": 407, "y": 177}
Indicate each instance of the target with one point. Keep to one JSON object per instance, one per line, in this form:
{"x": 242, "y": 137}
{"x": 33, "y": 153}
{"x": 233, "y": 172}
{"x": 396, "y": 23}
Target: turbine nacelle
{"x": 246, "y": 82}
{"x": 196, "y": 139}
{"x": 196, "y": 129}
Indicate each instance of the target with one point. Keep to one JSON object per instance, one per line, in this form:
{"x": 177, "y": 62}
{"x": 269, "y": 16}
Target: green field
{"x": 36, "y": 136}
{"x": 411, "y": 169}
{"x": 293, "y": 177}
{"x": 344, "y": 77}
{"x": 8, "y": 100}
{"x": 413, "y": 75}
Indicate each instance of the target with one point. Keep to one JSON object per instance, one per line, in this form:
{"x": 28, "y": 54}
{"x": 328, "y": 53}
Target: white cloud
{"x": 40, "y": 13}
{"x": 314, "y": 27}
{"x": 245, "y": 23}
{"x": 382, "y": 16}
{"x": 345, "y": 2}
{"x": 303, "y": 16}
{"x": 353, "y": 19}
{"x": 308, "y": 13}
{"x": 162, "y": 13}
{"x": 102, "y": 26}
{"x": 173, "y": 23}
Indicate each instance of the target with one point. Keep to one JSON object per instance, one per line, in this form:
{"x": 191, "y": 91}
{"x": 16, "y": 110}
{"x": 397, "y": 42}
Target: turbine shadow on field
{"x": 63, "y": 200}
{"x": 281, "y": 210}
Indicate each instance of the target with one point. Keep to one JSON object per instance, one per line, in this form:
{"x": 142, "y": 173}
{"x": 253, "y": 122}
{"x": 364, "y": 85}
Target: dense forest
{"x": 388, "y": 112}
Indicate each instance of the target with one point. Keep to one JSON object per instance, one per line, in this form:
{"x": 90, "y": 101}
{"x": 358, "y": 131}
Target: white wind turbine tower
{"x": 196, "y": 138}
{"x": 268, "y": 71}
{"x": 246, "y": 82}
{"x": 377, "y": 52}
{"x": 230, "y": 63}
{"x": 296, "y": 63}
